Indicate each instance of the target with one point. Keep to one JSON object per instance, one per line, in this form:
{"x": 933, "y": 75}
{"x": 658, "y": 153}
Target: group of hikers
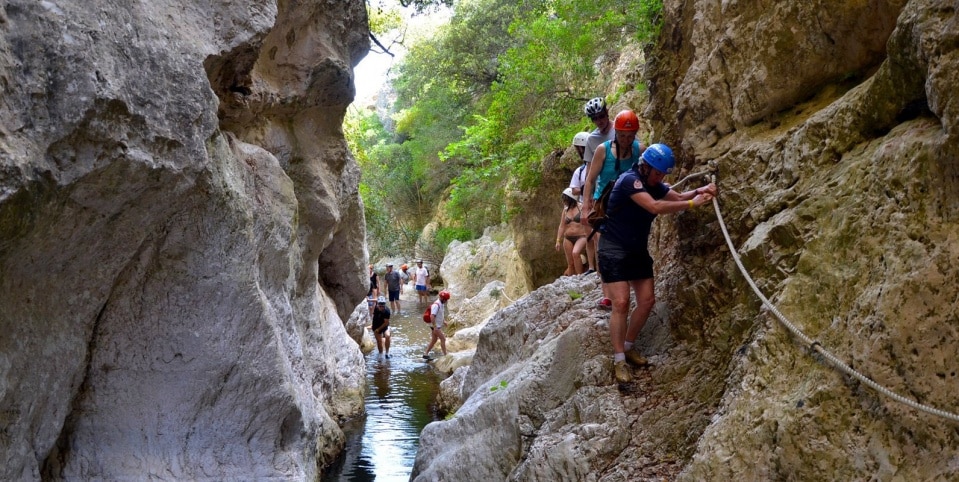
{"x": 395, "y": 282}
{"x": 608, "y": 211}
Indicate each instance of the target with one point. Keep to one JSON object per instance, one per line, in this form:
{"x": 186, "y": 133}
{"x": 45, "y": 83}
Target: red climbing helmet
{"x": 626, "y": 121}
{"x": 444, "y": 295}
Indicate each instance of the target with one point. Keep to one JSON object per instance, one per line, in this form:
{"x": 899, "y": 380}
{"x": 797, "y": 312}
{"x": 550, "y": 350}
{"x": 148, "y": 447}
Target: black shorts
{"x": 620, "y": 264}
{"x": 394, "y": 295}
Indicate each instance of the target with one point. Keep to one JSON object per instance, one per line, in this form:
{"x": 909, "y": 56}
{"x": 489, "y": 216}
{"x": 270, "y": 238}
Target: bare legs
{"x": 436, "y": 334}
{"x": 619, "y": 293}
{"x": 382, "y": 341}
{"x": 574, "y": 264}
{"x": 591, "y": 254}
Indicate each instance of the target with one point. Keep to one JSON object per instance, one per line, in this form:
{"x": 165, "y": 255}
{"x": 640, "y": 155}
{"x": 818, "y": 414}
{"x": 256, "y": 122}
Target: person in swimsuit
{"x": 571, "y": 233}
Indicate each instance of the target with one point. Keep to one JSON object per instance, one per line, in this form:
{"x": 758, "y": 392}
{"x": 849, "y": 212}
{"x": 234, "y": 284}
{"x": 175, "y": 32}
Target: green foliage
{"x": 501, "y": 386}
{"x": 482, "y": 101}
{"x": 574, "y": 295}
{"x": 383, "y": 18}
{"x": 446, "y": 235}
{"x": 396, "y": 202}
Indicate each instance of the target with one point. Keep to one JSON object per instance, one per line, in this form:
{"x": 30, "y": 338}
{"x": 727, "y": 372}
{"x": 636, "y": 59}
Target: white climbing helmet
{"x": 580, "y": 139}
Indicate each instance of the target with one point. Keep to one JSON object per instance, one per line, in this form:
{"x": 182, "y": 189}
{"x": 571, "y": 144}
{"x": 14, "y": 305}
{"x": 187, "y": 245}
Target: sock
{"x": 619, "y": 357}
{"x": 629, "y": 345}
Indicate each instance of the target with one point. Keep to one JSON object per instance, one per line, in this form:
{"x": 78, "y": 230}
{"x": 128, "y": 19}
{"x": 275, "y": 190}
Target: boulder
{"x": 469, "y": 265}
{"x": 356, "y": 328}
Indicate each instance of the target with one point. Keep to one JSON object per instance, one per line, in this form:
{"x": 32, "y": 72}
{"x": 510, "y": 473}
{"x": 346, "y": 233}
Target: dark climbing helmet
{"x": 594, "y": 107}
{"x": 659, "y": 157}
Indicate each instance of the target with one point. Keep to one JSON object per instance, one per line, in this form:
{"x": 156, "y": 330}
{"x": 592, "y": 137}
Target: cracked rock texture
{"x": 180, "y": 238}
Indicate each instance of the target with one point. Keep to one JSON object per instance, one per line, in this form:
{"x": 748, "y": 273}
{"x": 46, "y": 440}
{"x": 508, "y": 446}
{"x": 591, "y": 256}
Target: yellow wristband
{"x": 691, "y": 205}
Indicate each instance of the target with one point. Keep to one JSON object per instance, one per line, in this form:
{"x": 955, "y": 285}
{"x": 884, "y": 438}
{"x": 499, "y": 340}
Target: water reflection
{"x": 382, "y": 445}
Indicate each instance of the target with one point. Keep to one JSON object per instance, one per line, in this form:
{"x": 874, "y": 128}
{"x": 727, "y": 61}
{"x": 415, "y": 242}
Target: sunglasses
{"x": 598, "y": 116}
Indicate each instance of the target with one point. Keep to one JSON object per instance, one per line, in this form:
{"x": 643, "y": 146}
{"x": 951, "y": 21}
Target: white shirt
{"x": 438, "y": 310}
{"x": 596, "y": 138}
{"x": 421, "y": 275}
{"x": 579, "y": 179}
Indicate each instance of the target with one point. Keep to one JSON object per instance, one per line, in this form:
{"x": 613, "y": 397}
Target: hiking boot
{"x": 635, "y": 359}
{"x": 605, "y": 304}
{"x": 621, "y": 370}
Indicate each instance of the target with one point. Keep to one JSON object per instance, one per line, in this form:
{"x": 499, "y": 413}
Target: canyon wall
{"x": 180, "y": 238}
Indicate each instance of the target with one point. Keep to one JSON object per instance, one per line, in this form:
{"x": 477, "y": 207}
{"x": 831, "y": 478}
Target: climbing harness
{"x": 813, "y": 344}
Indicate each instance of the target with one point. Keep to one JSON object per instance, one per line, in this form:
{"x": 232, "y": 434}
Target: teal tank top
{"x": 613, "y": 167}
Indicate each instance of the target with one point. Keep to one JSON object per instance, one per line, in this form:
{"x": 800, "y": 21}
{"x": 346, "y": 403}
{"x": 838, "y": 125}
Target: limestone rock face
{"x": 534, "y": 226}
{"x": 356, "y": 328}
{"x": 469, "y": 266}
{"x": 472, "y": 314}
{"x": 846, "y": 210}
{"x": 540, "y": 402}
{"x": 833, "y": 131}
{"x": 180, "y": 238}
{"x": 743, "y": 61}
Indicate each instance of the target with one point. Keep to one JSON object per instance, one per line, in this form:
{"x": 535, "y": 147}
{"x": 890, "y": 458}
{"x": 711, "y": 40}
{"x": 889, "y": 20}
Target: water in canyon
{"x": 382, "y": 445}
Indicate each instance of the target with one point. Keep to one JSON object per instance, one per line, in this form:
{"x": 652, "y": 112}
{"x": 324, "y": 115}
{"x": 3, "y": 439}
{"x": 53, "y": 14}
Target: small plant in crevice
{"x": 502, "y": 385}
{"x": 574, "y": 295}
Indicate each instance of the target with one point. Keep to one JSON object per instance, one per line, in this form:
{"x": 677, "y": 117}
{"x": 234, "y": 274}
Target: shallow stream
{"x": 382, "y": 445}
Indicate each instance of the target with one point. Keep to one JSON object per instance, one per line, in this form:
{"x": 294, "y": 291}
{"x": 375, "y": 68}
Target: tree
{"x": 491, "y": 93}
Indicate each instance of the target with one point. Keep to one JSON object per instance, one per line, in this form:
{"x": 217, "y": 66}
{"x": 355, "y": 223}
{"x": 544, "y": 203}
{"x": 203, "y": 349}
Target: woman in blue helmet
{"x": 638, "y": 196}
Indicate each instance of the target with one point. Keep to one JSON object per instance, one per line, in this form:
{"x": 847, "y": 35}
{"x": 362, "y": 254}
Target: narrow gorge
{"x": 182, "y": 241}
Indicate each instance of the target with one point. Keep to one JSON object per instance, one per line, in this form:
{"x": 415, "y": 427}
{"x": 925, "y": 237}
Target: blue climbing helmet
{"x": 659, "y": 157}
